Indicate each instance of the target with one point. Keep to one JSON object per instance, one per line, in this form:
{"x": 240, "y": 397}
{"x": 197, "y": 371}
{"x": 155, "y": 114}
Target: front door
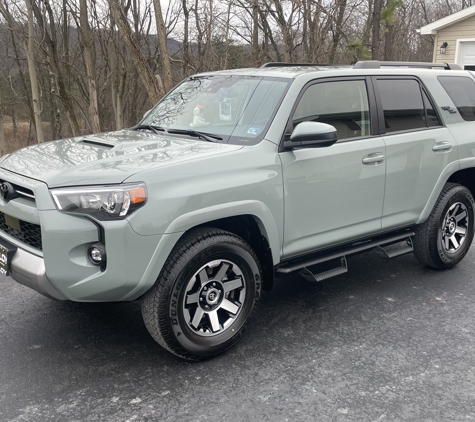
{"x": 334, "y": 194}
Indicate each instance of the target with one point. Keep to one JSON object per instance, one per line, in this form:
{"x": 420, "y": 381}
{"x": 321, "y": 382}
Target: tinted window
{"x": 461, "y": 90}
{"x": 342, "y": 104}
{"x": 402, "y": 104}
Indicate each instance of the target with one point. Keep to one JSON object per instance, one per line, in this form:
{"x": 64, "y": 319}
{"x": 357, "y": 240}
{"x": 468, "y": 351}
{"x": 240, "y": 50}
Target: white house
{"x": 454, "y": 38}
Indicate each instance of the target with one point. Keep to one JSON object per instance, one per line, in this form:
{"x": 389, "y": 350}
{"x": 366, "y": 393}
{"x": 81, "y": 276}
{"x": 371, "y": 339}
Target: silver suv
{"x": 239, "y": 176}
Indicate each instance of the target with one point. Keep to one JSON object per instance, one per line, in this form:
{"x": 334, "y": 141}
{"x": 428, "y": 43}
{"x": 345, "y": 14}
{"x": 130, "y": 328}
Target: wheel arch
{"x": 250, "y": 228}
{"x": 251, "y": 220}
{"x": 465, "y": 177}
{"x": 452, "y": 173}
{"x": 236, "y": 217}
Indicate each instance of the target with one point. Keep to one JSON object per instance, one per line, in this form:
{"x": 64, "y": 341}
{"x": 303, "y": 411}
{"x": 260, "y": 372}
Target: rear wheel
{"x": 445, "y": 238}
{"x": 205, "y": 295}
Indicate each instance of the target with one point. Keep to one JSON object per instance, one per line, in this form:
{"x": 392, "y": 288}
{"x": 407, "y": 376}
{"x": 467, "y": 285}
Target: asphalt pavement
{"x": 388, "y": 341}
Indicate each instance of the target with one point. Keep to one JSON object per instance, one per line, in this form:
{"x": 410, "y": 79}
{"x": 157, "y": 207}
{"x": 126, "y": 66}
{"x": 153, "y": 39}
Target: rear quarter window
{"x": 461, "y": 91}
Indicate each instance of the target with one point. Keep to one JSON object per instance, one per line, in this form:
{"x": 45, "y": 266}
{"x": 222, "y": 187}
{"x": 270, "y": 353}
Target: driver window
{"x": 342, "y": 104}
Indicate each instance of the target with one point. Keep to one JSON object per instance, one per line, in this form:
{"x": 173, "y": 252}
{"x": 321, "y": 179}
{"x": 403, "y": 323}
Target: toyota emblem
{"x": 7, "y": 191}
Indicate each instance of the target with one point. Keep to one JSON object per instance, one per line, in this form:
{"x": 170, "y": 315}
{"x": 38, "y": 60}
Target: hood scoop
{"x": 99, "y": 143}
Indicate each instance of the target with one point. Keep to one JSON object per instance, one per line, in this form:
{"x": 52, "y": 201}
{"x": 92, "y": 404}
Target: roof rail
{"x": 376, "y": 64}
{"x": 281, "y": 64}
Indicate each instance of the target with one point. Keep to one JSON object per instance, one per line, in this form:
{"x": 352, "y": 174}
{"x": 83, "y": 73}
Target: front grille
{"x": 29, "y": 233}
{"x": 21, "y": 191}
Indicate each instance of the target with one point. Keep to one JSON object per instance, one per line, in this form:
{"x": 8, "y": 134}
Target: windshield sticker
{"x": 253, "y": 130}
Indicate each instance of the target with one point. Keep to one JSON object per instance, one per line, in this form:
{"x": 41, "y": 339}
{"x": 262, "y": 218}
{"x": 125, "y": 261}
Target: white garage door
{"x": 467, "y": 55}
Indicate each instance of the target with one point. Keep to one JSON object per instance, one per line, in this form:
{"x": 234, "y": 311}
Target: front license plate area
{"x": 7, "y": 250}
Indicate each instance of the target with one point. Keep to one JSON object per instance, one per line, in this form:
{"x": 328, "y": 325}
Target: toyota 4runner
{"x": 236, "y": 177}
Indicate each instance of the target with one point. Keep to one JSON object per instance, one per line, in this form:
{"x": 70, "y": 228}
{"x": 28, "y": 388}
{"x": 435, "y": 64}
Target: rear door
{"x": 418, "y": 148}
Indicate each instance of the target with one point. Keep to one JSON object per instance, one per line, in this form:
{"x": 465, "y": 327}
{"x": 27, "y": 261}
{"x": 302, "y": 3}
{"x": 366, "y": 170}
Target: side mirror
{"x": 312, "y": 134}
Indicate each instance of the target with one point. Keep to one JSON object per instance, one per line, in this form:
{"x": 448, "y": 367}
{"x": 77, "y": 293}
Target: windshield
{"x": 235, "y": 108}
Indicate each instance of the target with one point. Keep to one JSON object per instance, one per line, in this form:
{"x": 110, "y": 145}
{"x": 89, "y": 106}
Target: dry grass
{"x": 25, "y": 134}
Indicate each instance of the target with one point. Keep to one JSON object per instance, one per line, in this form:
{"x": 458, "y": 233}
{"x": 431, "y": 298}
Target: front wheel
{"x": 205, "y": 295}
{"x": 445, "y": 238}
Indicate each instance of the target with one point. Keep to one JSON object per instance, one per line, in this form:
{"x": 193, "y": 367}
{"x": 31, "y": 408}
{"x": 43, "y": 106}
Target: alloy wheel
{"x": 455, "y": 227}
{"x": 214, "y": 298}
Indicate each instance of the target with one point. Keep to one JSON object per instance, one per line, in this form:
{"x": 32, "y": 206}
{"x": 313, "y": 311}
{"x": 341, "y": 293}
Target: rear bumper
{"x": 29, "y": 270}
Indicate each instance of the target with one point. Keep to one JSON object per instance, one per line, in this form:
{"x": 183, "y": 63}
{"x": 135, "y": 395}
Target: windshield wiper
{"x": 153, "y": 128}
{"x": 202, "y": 135}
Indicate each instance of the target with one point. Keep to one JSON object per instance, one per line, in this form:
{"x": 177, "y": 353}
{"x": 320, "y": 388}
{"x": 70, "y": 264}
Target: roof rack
{"x": 375, "y": 64}
{"x": 281, "y": 64}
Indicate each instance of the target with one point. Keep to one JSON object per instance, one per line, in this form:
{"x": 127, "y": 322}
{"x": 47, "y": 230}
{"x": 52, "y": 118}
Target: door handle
{"x": 375, "y": 158}
{"x": 442, "y": 146}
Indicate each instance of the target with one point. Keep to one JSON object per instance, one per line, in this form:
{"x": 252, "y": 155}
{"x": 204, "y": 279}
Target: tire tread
{"x": 155, "y": 301}
{"x": 425, "y": 239}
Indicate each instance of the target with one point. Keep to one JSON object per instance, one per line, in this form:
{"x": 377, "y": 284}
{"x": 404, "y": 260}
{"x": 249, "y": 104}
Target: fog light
{"x": 97, "y": 254}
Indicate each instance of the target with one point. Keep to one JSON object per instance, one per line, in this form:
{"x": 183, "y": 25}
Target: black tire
{"x": 439, "y": 242}
{"x": 207, "y": 268}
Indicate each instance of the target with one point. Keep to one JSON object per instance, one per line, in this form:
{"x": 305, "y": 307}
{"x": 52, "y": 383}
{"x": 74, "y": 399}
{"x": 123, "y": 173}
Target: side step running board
{"x": 395, "y": 249}
{"x": 311, "y": 273}
{"x": 309, "y": 261}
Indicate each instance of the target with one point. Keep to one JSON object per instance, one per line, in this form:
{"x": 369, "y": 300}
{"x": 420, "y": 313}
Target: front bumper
{"x": 59, "y": 267}
{"x": 62, "y": 270}
{"x": 29, "y": 270}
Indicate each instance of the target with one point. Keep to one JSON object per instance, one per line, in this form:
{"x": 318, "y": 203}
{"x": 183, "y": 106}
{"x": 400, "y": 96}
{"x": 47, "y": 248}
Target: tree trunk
{"x": 3, "y": 145}
{"x": 186, "y": 46}
{"x": 277, "y": 12}
{"x": 53, "y": 61}
{"x": 14, "y": 123}
{"x": 268, "y": 34}
{"x": 162, "y": 45}
{"x": 143, "y": 69}
{"x": 118, "y": 78}
{"x": 227, "y": 40}
{"x": 376, "y": 42}
{"x": 90, "y": 61}
{"x": 55, "y": 117}
{"x": 16, "y": 32}
{"x": 389, "y": 43}
{"x": 314, "y": 30}
{"x": 201, "y": 51}
{"x": 337, "y": 33}
{"x": 368, "y": 25}
{"x": 255, "y": 33}
{"x": 35, "y": 93}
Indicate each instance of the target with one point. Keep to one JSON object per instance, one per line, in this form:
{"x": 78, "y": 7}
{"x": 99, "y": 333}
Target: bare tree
{"x": 162, "y": 44}
{"x": 376, "y": 30}
{"x": 35, "y": 91}
{"x": 90, "y": 60}
{"x": 143, "y": 68}
{"x": 3, "y": 145}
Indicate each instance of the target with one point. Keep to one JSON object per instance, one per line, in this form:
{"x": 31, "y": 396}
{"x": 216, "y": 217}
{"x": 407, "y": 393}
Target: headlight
{"x": 101, "y": 201}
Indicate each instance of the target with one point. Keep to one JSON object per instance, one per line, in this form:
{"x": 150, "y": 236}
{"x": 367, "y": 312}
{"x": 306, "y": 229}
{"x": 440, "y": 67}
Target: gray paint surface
{"x": 302, "y": 200}
{"x": 388, "y": 341}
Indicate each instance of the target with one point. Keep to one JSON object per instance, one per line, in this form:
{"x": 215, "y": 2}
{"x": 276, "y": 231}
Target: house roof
{"x": 433, "y": 27}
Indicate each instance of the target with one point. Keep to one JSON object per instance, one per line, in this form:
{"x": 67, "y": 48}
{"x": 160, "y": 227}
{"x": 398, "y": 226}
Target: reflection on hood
{"x": 105, "y": 158}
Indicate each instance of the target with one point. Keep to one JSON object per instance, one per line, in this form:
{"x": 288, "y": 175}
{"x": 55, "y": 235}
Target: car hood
{"x": 106, "y": 158}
